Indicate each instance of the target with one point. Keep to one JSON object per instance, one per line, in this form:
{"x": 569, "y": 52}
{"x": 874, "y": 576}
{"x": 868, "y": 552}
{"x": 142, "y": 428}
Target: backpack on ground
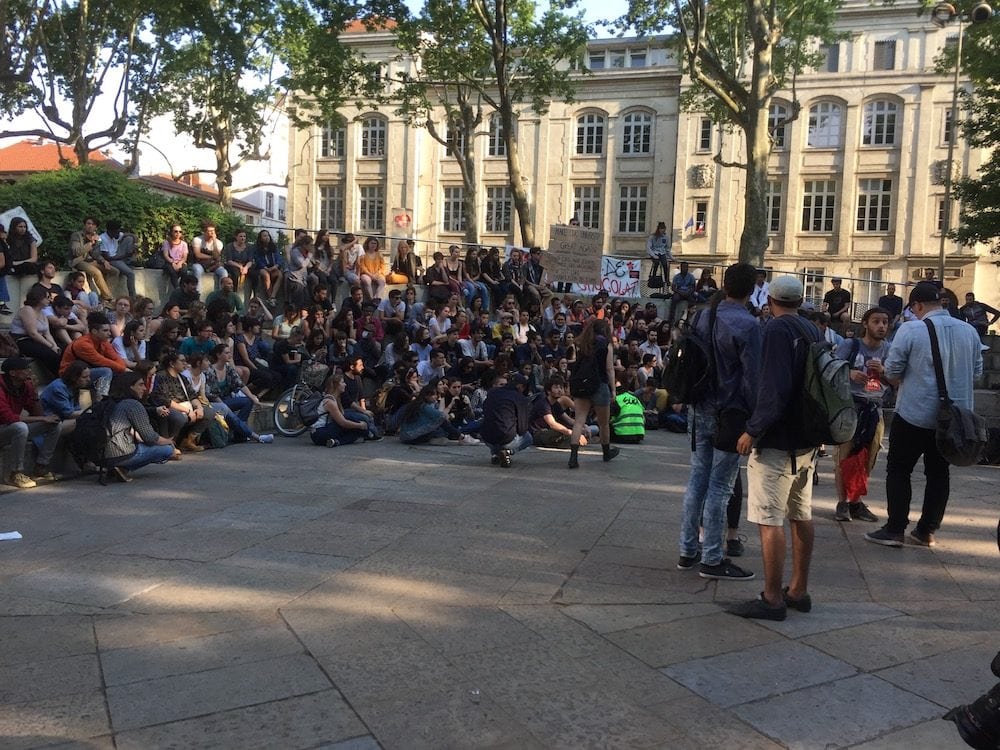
{"x": 310, "y": 408}
{"x": 827, "y": 412}
{"x": 584, "y": 378}
{"x": 689, "y": 371}
{"x": 88, "y": 442}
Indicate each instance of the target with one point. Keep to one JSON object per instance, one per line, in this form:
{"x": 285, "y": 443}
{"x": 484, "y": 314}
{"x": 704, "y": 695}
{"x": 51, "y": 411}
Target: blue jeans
{"x": 241, "y": 430}
{"x": 219, "y": 273}
{"x": 517, "y": 444}
{"x": 710, "y": 485}
{"x": 145, "y": 455}
{"x": 128, "y": 272}
{"x": 360, "y": 416}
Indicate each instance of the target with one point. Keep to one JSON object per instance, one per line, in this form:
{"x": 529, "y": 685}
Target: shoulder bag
{"x": 961, "y": 434}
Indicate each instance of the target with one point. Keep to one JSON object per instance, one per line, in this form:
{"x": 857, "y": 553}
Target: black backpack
{"x": 690, "y": 368}
{"x": 584, "y": 378}
{"x": 89, "y": 441}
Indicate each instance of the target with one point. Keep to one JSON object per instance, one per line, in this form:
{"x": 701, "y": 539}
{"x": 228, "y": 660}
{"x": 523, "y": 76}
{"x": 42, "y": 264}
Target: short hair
{"x": 554, "y": 379}
{"x": 112, "y": 227}
{"x": 738, "y": 280}
{"x": 97, "y": 319}
{"x": 61, "y": 301}
{"x": 876, "y": 311}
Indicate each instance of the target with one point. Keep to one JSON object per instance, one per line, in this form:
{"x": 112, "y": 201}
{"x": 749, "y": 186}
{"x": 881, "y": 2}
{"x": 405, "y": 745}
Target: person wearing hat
{"x": 910, "y": 367}
{"x": 17, "y": 396}
{"x": 782, "y": 462}
{"x": 837, "y": 302}
{"x": 506, "y": 425}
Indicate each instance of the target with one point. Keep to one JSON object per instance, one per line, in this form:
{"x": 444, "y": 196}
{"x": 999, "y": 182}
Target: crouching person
{"x": 133, "y": 443}
{"x": 187, "y": 418}
{"x": 506, "y": 420}
{"x": 17, "y": 397}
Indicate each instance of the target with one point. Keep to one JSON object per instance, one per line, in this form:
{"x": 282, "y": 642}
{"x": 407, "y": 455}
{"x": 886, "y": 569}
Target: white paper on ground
{"x": 9, "y": 535}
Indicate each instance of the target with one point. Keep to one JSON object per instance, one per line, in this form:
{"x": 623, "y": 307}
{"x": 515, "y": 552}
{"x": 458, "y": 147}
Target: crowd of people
{"x": 475, "y": 351}
{"x": 421, "y": 361}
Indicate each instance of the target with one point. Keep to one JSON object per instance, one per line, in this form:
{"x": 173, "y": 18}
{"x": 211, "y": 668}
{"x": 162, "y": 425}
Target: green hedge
{"x": 56, "y": 202}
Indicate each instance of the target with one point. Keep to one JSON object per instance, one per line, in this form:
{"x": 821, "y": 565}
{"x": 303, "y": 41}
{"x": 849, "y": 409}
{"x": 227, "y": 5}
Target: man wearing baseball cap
{"x": 17, "y": 395}
{"x": 910, "y": 367}
{"x": 781, "y": 464}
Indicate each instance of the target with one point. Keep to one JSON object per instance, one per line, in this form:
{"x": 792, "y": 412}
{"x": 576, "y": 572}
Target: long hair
{"x": 128, "y": 334}
{"x": 121, "y": 385}
{"x": 412, "y": 409}
{"x": 586, "y": 342}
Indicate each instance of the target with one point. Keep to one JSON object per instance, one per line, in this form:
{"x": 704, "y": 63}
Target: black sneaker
{"x": 803, "y": 604}
{"x": 885, "y": 537}
{"x": 505, "y": 459}
{"x": 735, "y": 547}
{"x": 843, "y": 512}
{"x": 758, "y": 609}
{"x": 861, "y": 512}
{"x": 495, "y": 459}
{"x": 725, "y": 571}
{"x": 688, "y": 563}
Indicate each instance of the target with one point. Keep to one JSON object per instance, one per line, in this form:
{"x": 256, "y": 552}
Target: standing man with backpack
{"x": 910, "y": 366}
{"x": 781, "y": 464}
{"x": 719, "y": 418}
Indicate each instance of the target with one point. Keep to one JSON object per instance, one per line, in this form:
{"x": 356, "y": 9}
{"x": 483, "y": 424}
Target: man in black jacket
{"x": 506, "y": 427}
{"x": 780, "y": 469}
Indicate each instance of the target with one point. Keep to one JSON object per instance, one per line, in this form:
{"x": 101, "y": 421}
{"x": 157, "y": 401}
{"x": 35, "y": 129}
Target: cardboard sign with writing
{"x": 574, "y": 254}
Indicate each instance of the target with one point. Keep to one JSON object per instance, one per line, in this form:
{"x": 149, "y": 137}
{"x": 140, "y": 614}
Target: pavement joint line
{"x": 104, "y": 683}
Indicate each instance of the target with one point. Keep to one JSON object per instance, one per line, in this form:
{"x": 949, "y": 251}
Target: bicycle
{"x": 287, "y": 408}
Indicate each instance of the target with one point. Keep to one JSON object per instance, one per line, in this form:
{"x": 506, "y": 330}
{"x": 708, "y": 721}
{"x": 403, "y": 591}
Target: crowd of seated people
{"x": 416, "y": 361}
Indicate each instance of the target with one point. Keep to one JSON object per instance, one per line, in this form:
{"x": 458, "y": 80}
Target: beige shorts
{"x": 774, "y": 492}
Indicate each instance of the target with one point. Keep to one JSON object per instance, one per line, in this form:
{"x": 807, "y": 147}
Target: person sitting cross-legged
{"x": 333, "y": 429}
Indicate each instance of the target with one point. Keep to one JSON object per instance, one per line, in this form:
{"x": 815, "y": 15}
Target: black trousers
{"x": 907, "y": 443}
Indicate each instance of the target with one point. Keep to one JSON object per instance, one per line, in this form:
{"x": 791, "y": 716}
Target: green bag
{"x": 218, "y": 433}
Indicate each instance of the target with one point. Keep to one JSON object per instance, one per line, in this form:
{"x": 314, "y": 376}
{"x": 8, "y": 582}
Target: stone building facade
{"x": 855, "y": 180}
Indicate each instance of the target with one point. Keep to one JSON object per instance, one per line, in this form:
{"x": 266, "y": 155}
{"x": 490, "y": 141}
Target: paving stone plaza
{"x": 381, "y": 595}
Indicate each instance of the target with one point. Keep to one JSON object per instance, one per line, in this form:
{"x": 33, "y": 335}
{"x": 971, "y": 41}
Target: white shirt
{"x": 351, "y": 257}
{"x": 758, "y": 297}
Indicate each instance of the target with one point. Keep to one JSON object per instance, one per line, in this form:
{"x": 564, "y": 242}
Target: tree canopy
{"x": 739, "y": 54}
{"x": 979, "y": 216}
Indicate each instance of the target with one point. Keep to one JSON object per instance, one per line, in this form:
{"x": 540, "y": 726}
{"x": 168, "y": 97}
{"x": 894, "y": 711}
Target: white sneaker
{"x": 265, "y": 438}
{"x": 469, "y": 440}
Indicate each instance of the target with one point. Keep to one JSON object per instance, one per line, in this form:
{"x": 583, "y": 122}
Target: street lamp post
{"x": 942, "y": 15}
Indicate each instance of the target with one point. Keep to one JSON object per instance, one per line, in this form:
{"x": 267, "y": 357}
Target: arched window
{"x": 590, "y": 134}
{"x": 879, "y": 125}
{"x": 637, "y": 133}
{"x": 777, "y": 116}
{"x": 825, "y": 120}
{"x": 373, "y": 136}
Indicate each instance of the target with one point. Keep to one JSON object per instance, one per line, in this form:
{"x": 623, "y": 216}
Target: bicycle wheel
{"x": 286, "y": 412}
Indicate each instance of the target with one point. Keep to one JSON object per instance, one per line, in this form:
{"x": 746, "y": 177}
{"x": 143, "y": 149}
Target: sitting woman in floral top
{"x": 229, "y": 396}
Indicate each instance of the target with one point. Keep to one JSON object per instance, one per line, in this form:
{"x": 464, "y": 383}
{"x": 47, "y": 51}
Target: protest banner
{"x": 574, "y": 253}
{"x": 619, "y": 278}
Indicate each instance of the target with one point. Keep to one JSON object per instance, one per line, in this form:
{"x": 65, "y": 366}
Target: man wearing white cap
{"x": 781, "y": 462}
